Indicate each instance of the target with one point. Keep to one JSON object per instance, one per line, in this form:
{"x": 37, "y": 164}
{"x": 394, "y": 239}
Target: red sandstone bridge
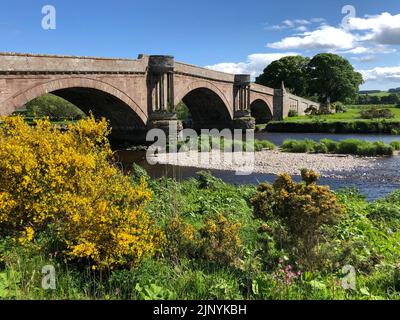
{"x": 136, "y": 94}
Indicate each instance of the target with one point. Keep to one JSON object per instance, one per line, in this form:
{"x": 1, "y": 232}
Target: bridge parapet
{"x": 203, "y": 73}
{"x": 29, "y": 63}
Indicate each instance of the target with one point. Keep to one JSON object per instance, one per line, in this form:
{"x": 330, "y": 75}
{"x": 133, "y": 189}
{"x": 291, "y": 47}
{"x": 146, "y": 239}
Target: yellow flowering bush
{"x": 66, "y": 180}
{"x": 304, "y": 209}
{"x": 217, "y": 240}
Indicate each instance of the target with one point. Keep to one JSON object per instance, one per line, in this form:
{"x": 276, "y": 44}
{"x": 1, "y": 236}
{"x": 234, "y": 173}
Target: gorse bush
{"x": 63, "y": 184}
{"x": 217, "y": 240}
{"x": 303, "y": 209}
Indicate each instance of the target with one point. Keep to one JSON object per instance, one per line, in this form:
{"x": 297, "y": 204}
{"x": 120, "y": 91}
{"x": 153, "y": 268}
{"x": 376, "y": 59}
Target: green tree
{"x": 291, "y": 70}
{"x": 332, "y": 78}
{"x": 56, "y": 108}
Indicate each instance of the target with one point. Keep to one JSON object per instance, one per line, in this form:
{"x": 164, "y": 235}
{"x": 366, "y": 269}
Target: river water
{"x": 375, "y": 184}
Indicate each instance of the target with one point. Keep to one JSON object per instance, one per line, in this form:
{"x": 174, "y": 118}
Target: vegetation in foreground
{"x": 132, "y": 237}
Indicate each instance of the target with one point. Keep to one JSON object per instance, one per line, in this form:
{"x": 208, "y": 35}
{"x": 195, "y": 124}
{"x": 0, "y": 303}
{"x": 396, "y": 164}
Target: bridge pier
{"x": 161, "y": 94}
{"x": 242, "y": 114}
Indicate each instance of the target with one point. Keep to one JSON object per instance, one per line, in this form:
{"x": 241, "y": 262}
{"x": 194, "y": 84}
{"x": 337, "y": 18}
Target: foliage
{"x": 63, "y": 184}
{"x": 339, "y": 107}
{"x": 293, "y": 113}
{"x": 332, "y": 77}
{"x": 303, "y": 209}
{"x": 374, "y": 113}
{"x": 395, "y": 145}
{"x": 54, "y": 107}
{"x": 335, "y": 126}
{"x": 290, "y": 70}
{"x": 220, "y": 240}
{"x": 348, "y": 146}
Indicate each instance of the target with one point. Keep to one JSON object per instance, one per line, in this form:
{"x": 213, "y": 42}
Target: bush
{"x": 303, "y": 209}
{"x": 218, "y": 240}
{"x": 331, "y": 145}
{"x": 181, "y": 239}
{"x": 63, "y": 184}
{"x": 292, "y": 113}
{"x": 364, "y": 148}
{"x": 339, "y": 107}
{"x": 374, "y": 113}
{"x": 263, "y": 145}
{"x": 395, "y": 145}
{"x": 298, "y": 146}
{"x": 320, "y": 148}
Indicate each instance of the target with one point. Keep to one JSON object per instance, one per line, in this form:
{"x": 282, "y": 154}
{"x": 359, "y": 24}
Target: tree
{"x": 291, "y": 70}
{"x": 332, "y": 78}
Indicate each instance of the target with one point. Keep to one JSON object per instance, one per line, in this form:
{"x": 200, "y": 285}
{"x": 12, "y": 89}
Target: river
{"x": 377, "y": 184}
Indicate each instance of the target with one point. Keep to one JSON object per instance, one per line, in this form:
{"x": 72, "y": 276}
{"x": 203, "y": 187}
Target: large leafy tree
{"x": 332, "y": 78}
{"x": 291, "y": 70}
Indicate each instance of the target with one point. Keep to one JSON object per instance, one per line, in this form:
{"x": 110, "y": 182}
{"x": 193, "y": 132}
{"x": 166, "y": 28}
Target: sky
{"x": 231, "y": 36}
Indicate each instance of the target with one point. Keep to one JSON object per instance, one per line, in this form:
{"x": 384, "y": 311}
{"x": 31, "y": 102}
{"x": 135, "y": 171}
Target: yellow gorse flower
{"x": 66, "y": 179}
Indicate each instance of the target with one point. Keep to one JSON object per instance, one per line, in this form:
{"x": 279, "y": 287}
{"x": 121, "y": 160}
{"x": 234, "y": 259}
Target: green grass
{"x": 349, "y": 146}
{"x": 378, "y": 94}
{"x": 352, "y": 113}
{"x": 367, "y": 238}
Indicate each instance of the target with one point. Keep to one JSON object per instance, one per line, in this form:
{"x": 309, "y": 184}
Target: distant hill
{"x": 377, "y": 93}
{"x": 395, "y": 90}
{"x": 369, "y": 91}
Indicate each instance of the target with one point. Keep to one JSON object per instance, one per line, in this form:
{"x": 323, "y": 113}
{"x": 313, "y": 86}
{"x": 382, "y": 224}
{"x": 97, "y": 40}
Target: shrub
{"x": 298, "y": 146}
{"x": 320, "y": 148}
{"x": 395, "y": 145}
{"x": 364, "y": 148}
{"x": 303, "y": 209}
{"x": 292, "y": 113}
{"x": 339, "y": 107}
{"x": 374, "y": 113}
{"x": 65, "y": 180}
{"x": 263, "y": 144}
{"x": 220, "y": 240}
{"x": 181, "y": 239}
{"x": 331, "y": 145}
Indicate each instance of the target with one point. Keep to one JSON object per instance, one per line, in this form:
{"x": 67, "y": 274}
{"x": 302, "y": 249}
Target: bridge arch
{"x": 208, "y": 105}
{"x": 261, "y": 111}
{"x": 97, "y": 96}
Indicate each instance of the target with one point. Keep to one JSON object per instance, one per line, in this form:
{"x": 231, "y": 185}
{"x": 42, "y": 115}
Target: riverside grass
{"x": 361, "y": 239}
{"x": 350, "y": 121}
{"x": 348, "y": 146}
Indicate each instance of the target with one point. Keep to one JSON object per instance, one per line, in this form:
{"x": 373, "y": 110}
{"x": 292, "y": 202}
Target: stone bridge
{"x": 135, "y": 95}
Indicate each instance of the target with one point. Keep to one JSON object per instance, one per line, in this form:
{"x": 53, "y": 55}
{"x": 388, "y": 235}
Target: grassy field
{"x": 378, "y": 94}
{"x": 352, "y": 113}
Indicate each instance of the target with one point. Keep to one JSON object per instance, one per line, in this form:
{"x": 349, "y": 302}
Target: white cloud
{"x": 298, "y": 24}
{"x": 326, "y": 37}
{"x": 383, "y": 28}
{"x": 382, "y": 74}
{"x": 367, "y": 58}
{"x": 254, "y": 65}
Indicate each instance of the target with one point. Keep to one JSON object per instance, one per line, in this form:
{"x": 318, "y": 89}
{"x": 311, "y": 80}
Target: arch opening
{"x": 260, "y": 111}
{"x": 205, "y": 110}
{"x": 127, "y": 120}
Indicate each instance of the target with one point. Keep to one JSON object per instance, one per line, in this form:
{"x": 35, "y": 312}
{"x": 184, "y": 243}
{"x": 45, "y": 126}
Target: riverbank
{"x": 353, "y": 120}
{"x": 272, "y": 162}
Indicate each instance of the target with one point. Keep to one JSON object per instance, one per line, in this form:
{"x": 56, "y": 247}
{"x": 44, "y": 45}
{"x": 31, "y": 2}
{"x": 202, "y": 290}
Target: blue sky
{"x": 232, "y": 36}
